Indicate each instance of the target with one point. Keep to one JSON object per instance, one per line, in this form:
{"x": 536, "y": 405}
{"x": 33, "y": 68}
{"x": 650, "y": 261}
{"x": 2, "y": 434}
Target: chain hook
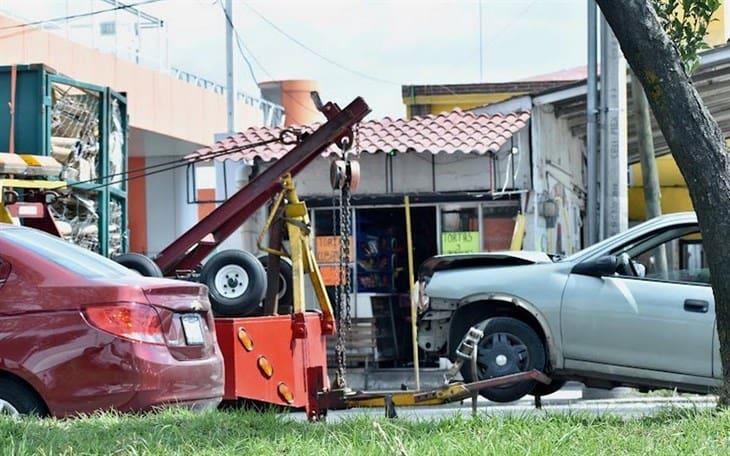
{"x": 290, "y": 136}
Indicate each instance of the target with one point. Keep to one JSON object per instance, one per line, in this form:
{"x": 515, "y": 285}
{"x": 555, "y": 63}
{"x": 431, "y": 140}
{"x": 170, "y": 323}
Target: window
{"x": 459, "y": 229}
{"x": 74, "y": 258}
{"x": 498, "y": 225}
{"x": 674, "y": 255}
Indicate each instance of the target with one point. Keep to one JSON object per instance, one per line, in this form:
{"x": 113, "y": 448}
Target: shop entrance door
{"x": 382, "y": 272}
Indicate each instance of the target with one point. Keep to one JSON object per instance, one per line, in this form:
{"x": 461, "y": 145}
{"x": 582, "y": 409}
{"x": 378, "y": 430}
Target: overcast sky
{"x": 379, "y": 45}
{"x": 367, "y": 48}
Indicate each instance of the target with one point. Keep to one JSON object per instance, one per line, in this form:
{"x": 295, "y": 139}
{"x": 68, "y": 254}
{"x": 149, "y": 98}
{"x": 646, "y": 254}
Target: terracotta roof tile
{"x": 449, "y": 132}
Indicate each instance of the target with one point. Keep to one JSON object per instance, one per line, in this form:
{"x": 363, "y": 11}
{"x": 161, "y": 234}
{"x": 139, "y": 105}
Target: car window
{"x": 675, "y": 255}
{"x": 76, "y": 259}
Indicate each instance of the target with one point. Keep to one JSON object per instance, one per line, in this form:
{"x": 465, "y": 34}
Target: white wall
{"x": 559, "y": 170}
{"x": 168, "y": 213}
{"x": 426, "y": 172}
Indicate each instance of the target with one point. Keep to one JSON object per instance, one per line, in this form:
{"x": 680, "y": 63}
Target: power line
{"x": 238, "y": 43}
{"x": 151, "y": 170}
{"x": 498, "y": 33}
{"x": 78, "y": 16}
{"x": 329, "y": 60}
{"x": 242, "y": 45}
{"x": 316, "y": 53}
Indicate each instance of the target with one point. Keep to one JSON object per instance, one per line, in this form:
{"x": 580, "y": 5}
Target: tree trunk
{"x": 693, "y": 136}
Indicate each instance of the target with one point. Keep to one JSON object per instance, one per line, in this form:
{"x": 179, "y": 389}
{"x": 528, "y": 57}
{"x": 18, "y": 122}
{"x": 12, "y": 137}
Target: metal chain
{"x": 344, "y": 286}
{"x": 340, "y": 356}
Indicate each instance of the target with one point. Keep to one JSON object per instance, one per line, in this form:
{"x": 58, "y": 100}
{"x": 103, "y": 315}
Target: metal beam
{"x": 614, "y": 159}
{"x": 187, "y": 251}
{"x": 591, "y": 136}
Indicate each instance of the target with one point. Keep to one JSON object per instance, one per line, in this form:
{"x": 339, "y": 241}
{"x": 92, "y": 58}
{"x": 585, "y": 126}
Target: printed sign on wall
{"x": 327, "y": 249}
{"x": 460, "y": 242}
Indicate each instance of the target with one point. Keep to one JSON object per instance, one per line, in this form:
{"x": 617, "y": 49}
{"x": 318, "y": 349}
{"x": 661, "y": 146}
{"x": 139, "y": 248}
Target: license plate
{"x": 193, "y": 329}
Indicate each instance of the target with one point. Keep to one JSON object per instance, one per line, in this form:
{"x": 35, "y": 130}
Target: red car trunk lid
{"x": 178, "y": 297}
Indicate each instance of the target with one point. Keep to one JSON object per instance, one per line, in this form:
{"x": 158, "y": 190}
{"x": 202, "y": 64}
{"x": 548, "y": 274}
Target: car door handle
{"x": 696, "y": 305}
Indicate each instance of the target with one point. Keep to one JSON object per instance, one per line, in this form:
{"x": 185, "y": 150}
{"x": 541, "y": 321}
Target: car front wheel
{"x": 509, "y": 346}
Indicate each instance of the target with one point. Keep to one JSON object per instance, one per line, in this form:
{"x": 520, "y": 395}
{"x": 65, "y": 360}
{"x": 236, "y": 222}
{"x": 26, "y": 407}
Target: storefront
{"x": 468, "y": 177}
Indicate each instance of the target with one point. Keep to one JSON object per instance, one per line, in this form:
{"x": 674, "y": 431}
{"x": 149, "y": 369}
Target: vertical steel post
{"x": 591, "y": 138}
{"x": 230, "y": 82}
{"x": 412, "y": 292}
{"x": 614, "y": 156}
{"x": 481, "y": 44}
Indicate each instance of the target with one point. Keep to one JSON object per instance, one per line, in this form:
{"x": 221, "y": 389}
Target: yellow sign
{"x": 460, "y": 242}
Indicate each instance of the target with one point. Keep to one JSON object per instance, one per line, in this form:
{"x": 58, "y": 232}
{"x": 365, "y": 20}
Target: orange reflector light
{"x": 285, "y": 393}
{"x": 265, "y": 366}
{"x": 245, "y": 339}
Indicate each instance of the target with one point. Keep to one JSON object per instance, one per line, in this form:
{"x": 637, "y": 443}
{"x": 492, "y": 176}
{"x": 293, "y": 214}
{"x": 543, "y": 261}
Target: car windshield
{"x": 604, "y": 243}
{"x": 76, "y": 259}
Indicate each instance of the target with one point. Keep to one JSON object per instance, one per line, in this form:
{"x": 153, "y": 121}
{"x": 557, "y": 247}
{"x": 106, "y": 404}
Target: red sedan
{"x": 80, "y": 333}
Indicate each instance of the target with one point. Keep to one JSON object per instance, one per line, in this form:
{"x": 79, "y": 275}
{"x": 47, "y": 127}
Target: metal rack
{"x": 85, "y": 127}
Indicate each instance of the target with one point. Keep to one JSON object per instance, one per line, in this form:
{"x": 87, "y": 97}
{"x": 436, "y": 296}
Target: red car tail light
{"x": 136, "y": 322}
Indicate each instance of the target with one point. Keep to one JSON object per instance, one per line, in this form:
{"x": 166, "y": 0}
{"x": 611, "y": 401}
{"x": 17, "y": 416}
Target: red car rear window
{"x": 65, "y": 254}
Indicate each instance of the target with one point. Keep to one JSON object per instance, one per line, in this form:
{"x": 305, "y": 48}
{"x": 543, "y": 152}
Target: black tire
{"x": 286, "y": 297}
{"x": 21, "y": 398}
{"x": 140, "y": 263}
{"x": 242, "y": 283}
{"x": 542, "y": 389}
{"x": 512, "y": 342}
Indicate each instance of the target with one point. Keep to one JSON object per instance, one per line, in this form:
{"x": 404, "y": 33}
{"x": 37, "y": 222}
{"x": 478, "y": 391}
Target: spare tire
{"x": 139, "y": 263}
{"x": 236, "y": 283}
{"x": 286, "y": 297}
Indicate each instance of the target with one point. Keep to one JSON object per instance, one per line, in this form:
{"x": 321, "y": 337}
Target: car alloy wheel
{"x": 502, "y": 354}
{"x": 509, "y": 346}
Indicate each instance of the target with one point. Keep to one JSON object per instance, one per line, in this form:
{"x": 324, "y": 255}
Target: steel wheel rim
{"x": 7, "y": 409}
{"x": 500, "y": 354}
{"x": 231, "y": 281}
{"x": 282, "y": 286}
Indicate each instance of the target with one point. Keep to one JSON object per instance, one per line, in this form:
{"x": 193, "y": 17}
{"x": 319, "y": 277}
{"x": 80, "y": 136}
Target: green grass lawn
{"x": 675, "y": 432}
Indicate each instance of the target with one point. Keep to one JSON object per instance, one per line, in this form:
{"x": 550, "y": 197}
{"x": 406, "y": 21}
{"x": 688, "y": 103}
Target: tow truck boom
{"x": 187, "y": 251}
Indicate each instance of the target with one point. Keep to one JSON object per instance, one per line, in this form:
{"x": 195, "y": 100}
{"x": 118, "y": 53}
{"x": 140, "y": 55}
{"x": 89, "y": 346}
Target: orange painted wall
{"x": 205, "y": 194}
{"x": 157, "y": 101}
{"x": 294, "y": 96}
{"x": 137, "y": 207}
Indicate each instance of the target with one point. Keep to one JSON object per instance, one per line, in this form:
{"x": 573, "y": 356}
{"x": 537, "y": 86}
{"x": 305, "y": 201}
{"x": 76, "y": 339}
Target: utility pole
{"x": 614, "y": 158}
{"x": 481, "y": 44}
{"x": 645, "y": 136}
{"x": 591, "y": 138}
{"x": 230, "y": 82}
{"x": 231, "y": 175}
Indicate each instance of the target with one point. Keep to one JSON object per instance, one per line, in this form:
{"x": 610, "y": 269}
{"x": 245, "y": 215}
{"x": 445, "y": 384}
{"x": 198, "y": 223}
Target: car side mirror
{"x": 599, "y": 267}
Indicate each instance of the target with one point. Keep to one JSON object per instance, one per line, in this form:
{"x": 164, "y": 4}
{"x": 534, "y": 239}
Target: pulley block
{"x": 344, "y": 173}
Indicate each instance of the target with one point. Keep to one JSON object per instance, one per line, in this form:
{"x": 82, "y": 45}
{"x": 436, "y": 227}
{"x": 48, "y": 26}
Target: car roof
{"x": 672, "y": 219}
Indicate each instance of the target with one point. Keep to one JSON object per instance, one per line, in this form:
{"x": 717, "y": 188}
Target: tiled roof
{"x": 448, "y": 132}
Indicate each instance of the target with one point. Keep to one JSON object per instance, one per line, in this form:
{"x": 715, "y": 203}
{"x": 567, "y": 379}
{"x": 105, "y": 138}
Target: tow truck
{"x": 281, "y": 359}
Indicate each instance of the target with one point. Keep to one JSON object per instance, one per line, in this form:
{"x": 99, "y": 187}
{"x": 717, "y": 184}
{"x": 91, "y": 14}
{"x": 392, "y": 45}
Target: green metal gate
{"x": 85, "y": 127}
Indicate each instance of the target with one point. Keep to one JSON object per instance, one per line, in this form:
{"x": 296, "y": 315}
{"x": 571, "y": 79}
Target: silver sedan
{"x": 633, "y": 310}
